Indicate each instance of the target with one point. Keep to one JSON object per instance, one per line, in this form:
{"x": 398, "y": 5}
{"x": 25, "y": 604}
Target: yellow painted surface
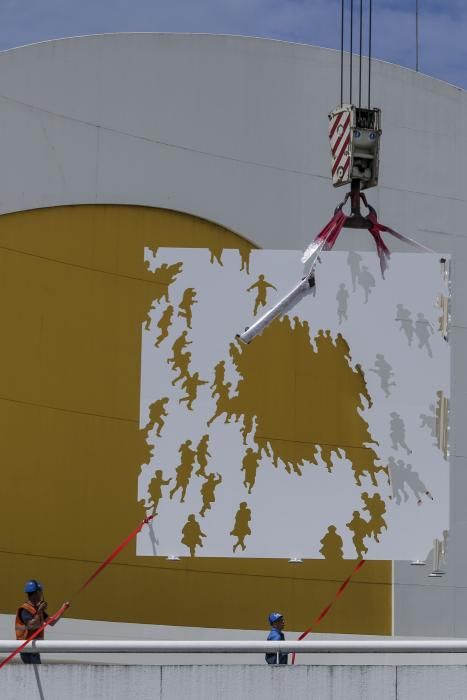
{"x": 75, "y": 290}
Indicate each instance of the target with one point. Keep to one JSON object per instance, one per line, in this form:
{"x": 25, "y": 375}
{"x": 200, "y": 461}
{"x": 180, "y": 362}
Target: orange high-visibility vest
{"x": 22, "y": 632}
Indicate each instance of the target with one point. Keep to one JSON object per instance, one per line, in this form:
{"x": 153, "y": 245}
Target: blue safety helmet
{"x": 32, "y": 586}
{"x": 273, "y": 617}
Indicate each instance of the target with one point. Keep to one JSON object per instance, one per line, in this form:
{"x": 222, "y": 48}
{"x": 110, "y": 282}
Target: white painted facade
{"x": 234, "y": 130}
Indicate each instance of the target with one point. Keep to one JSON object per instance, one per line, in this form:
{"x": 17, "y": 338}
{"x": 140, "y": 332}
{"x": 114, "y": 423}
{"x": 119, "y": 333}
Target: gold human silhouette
{"x": 250, "y": 465}
{"x": 182, "y": 364}
{"x": 155, "y": 489}
{"x": 343, "y": 346}
{"x": 376, "y": 508}
{"x": 223, "y": 404}
{"x": 247, "y": 427}
{"x": 364, "y": 388}
{"x": 241, "y": 528}
{"x": 332, "y": 544}
{"x": 207, "y": 492}
{"x": 322, "y": 341}
{"x": 157, "y": 413}
{"x": 148, "y": 320}
{"x": 302, "y": 328}
{"x": 191, "y": 386}
{"x": 245, "y": 258}
{"x": 261, "y": 285}
{"x": 185, "y": 307}
{"x": 219, "y": 375}
{"x": 192, "y": 535}
{"x": 165, "y": 275}
{"x": 359, "y": 527}
{"x": 144, "y": 508}
{"x": 184, "y": 470}
{"x": 216, "y": 254}
{"x": 202, "y": 455}
{"x": 164, "y": 325}
{"x": 177, "y": 349}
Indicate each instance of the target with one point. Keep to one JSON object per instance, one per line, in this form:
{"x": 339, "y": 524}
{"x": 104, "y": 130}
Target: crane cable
{"x": 351, "y": 46}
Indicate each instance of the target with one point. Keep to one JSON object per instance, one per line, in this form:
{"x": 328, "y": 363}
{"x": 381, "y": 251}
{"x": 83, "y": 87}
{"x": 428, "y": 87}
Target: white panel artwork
{"x": 218, "y": 485}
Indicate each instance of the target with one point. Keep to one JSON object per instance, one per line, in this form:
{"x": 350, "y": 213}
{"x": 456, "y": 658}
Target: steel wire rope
{"x": 351, "y": 51}
{"x": 360, "y": 61}
{"x": 342, "y": 52}
{"x": 370, "y": 26}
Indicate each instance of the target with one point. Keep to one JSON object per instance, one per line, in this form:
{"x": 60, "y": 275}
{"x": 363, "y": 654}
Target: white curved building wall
{"x": 234, "y": 130}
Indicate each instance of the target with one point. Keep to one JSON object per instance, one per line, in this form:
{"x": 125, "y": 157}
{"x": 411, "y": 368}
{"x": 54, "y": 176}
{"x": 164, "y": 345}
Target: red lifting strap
{"x": 323, "y": 614}
{"x": 326, "y": 239}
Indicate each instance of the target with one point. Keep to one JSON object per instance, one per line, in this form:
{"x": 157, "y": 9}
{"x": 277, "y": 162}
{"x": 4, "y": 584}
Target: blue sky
{"x": 443, "y": 24}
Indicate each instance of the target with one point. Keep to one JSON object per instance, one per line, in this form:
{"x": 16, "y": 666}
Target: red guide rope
{"x": 323, "y": 614}
{"x": 116, "y": 551}
{"x": 52, "y": 618}
{"x": 94, "y": 575}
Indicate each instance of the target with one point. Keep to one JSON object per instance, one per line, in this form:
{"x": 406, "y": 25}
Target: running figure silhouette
{"x": 261, "y": 285}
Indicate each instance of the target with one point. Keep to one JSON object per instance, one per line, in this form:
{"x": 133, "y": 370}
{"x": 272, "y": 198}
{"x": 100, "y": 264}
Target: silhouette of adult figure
{"x": 342, "y": 299}
{"x": 359, "y": 527}
{"x": 261, "y": 285}
{"x": 332, "y": 544}
{"x": 184, "y": 470}
{"x": 207, "y": 492}
{"x": 223, "y": 402}
{"x": 192, "y": 535}
{"x": 366, "y": 281}
{"x": 157, "y": 413}
{"x": 241, "y": 528}
{"x": 182, "y": 363}
{"x": 177, "y": 349}
{"x": 191, "y": 385}
{"x": 164, "y": 325}
{"x": 250, "y": 466}
{"x": 429, "y": 420}
{"x": 384, "y": 371}
{"x": 219, "y": 376}
{"x": 404, "y": 318}
{"x": 397, "y": 432}
{"x": 354, "y": 261}
{"x": 376, "y": 508}
{"x": 202, "y": 455}
{"x": 416, "y": 485}
{"x": 423, "y": 331}
{"x": 397, "y": 478}
{"x": 155, "y": 489}
{"x": 185, "y": 307}
{"x": 245, "y": 258}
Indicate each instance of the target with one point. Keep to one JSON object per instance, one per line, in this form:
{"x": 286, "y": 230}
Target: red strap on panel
{"x": 323, "y": 614}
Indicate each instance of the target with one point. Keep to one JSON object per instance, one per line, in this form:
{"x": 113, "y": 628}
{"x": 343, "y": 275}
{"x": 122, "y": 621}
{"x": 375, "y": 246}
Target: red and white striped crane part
{"x": 340, "y": 137}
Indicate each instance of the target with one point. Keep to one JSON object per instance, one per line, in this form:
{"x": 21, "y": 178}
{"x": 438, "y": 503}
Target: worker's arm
{"x": 65, "y": 608}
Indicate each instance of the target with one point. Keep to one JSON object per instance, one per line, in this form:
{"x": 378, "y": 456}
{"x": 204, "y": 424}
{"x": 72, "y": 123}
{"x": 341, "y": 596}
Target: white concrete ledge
{"x": 391, "y": 646}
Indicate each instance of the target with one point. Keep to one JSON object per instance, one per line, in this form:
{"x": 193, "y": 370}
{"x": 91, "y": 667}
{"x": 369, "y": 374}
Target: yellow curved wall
{"x": 74, "y": 290}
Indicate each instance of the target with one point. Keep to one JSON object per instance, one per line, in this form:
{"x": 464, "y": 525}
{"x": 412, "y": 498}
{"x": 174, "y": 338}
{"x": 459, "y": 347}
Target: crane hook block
{"x": 354, "y": 134}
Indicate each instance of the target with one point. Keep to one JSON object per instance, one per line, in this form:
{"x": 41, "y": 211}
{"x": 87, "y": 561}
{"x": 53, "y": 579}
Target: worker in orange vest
{"x": 30, "y": 617}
